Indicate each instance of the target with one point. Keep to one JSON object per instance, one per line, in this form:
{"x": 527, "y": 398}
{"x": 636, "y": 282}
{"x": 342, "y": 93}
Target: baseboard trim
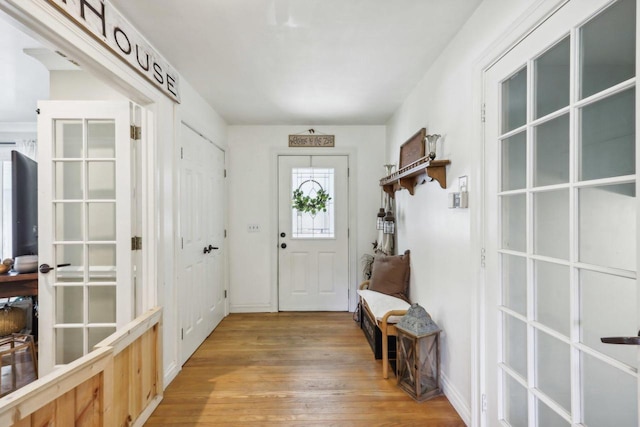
{"x": 456, "y": 399}
{"x": 250, "y": 309}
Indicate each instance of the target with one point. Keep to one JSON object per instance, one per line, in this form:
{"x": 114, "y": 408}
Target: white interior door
{"x": 561, "y": 222}
{"x": 313, "y": 250}
{"x": 201, "y": 274}
{"x": 85, "y": 222}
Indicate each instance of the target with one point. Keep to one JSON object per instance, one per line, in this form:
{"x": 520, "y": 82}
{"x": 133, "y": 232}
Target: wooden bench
{"x": 379, "y": 314}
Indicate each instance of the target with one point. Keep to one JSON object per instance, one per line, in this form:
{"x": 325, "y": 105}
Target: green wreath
{"x": 312, "y": 205}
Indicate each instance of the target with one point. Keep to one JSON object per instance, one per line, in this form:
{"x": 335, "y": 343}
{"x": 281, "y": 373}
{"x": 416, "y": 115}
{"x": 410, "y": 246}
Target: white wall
{"x": 443, "y": 278}
{"x": 251, "y": 162}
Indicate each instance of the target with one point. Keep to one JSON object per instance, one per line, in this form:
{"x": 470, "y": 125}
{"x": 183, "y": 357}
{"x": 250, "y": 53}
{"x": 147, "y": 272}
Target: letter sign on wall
{"x": 103, "y": 22}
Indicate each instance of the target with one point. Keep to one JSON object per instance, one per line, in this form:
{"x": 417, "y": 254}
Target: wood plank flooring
{"x": 291, "y": 369}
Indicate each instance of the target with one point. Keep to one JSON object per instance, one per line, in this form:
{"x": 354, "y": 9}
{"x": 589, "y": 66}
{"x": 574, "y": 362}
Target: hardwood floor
{"x": 291, "y": 369}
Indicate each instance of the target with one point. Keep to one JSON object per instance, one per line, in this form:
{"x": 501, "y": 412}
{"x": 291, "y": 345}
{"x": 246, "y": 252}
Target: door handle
{"x": 213, "y": 248}
{"x": 206, "y": 250}
{"x": 622, "y": 340}
{"x": 45, "y": 268}
{"x": 283, "y": 245}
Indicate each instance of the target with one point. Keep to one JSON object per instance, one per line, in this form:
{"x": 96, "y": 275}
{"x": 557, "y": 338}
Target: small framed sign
{"x": 312, "y": 140}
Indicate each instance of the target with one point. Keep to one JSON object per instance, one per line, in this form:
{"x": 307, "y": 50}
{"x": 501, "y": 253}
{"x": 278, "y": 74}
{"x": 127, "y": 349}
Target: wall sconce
{"x": 389, "y": 226}
{"x": 431, "y": 144}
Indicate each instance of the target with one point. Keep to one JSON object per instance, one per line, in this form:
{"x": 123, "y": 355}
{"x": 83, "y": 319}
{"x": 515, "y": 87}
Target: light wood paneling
{"x": 291, "y": 369}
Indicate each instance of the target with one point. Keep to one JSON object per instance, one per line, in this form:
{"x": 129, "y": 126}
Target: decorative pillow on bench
{"x": 390, "y": 275}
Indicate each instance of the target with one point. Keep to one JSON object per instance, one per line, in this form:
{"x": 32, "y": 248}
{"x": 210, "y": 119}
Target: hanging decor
{"x": 312, "y": 140}
{"x": 313, "y": 201}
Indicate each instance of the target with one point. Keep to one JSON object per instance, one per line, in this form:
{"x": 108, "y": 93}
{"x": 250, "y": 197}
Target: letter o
{"x": 116, "y": 31}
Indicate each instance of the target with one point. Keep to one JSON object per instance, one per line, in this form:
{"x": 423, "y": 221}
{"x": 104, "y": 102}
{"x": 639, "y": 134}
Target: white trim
{"x": 529, "y": 20}
{"x": 456, "y": 399}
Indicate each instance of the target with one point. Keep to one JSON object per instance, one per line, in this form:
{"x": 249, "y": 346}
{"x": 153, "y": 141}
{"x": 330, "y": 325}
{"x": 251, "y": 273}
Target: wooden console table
{"x": 14, "y": 284}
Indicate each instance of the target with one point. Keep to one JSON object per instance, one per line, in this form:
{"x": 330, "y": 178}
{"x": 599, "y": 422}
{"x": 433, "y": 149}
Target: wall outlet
{"x": 253, "y": 228}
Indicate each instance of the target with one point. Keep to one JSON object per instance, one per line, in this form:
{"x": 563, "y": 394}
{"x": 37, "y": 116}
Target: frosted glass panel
{"x": 610, "y": 395}
{"x": 608, "y": 137}
{"x": 548, "y": 418}
{"x": 101, "y": 180}
{"x": 69, "y": 345}
{"x": 514, "y": 162}
{"x": 68, "y": 220}
{"x": 102, "y": 263}
{"x": 552, "y": 296}
{"x": 98, "y": 334}
{"x": 101, "y": 138}
{"x": 515, "y": 345}
{"x": 553, "y": 369}
{"x": 514, "y": 222}
{"x": 68, "y": 139}
{"x": 514, "y": 285}
{"x": 608, "y": 56}
{"x": 68, "y": 180}
{"x": 102, "y": 304}
{"x": 608, "y": 308}
{"x": 607, "y": 227}
{"x": 552, "y": 79}
{"x": 551, "y": 224}
{"x": 515, "y": 405}
{"x": 101, "y": 221}
{"x": 551, "y": 148}
{"x": 73, "y": 255}
{"x": 514, "y": 101}
{"x": 69, "y": 304}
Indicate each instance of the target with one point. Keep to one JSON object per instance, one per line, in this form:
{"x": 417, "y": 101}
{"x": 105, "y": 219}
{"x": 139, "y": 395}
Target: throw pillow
{"x": 390, "y": 275}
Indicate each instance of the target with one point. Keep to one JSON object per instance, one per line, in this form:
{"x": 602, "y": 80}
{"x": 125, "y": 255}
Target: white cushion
{"x": 380, "y": 304}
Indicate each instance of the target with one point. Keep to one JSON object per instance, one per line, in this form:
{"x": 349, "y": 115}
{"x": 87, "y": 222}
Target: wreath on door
{"x": 312, "y": 202}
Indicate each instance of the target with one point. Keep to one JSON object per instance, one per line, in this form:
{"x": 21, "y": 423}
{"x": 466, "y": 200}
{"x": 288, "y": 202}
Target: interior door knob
{"x": 206, "y": 250}
{"x": 213, "y": 248}
{"x": 45, "y": 268}
{"x": 283, "y": 234}
{"x": 622, "y": 340}
{"x": 283, "y": 245}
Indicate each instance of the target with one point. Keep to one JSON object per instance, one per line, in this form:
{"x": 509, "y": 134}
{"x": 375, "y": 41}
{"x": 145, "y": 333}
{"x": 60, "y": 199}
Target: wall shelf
{"x": 408, "y": 176}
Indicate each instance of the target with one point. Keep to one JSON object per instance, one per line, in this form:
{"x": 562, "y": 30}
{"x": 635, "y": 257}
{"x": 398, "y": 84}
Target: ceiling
{"x": 349, "y": 62}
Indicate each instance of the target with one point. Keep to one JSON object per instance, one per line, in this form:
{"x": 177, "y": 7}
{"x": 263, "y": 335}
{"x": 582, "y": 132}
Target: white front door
{"x": 561, "y": 222}
{"x": 201, "y": 274}
{"x": 313, "y": 247}
{"x": 85, "y": 222}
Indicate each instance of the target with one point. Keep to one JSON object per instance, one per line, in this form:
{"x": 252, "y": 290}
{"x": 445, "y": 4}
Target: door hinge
{"x": 225, "y": 173}
{"x": 136, "y": 243}
{"x": 348, "y": 172}
{"x": 225, "y": 293}
{"x": 181, "y": 153}
{"x": 225, "y": 234}
{"x": 182, "y": 243}
{"x": 483, "y": 257}
{"x": 484, "y": 403}
{"x": 483, "y": 113}
{"x": 136, "y": 132}
{"x": 182, "y": 333}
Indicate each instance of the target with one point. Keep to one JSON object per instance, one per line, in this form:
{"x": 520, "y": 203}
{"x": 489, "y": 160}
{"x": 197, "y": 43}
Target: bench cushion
{"x": 380, "y": 304}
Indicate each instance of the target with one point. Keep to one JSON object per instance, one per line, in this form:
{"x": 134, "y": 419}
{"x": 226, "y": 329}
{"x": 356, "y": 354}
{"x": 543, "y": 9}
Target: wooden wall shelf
{"x": 408, "y": 176}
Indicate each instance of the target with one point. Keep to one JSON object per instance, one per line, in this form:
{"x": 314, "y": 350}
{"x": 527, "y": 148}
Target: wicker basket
{"x": 12, "y": 319}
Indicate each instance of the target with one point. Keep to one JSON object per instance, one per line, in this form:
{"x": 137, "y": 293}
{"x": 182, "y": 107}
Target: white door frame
{"x": 350, "y": 153}
{"x": 517, "y": 31}
{"x": 40, "y": 20}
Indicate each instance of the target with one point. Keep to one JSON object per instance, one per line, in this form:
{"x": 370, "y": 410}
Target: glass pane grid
{"x": 593, "y": 129}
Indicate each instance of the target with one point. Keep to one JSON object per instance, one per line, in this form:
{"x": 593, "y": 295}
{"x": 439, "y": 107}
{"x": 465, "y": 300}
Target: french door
{"x": 85, "y": 222}
{"x": 561, "y": 217}
{"x": 201, "y": 273}
{"x": 313, "y": 260}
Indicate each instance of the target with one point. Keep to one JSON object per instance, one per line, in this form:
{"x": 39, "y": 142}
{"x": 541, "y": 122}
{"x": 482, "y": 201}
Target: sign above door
{"x": 103, "y": 22}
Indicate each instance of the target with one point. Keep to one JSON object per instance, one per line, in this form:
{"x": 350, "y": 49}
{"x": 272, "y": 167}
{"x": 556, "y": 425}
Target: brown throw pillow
{"x": 390, "y": 275}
